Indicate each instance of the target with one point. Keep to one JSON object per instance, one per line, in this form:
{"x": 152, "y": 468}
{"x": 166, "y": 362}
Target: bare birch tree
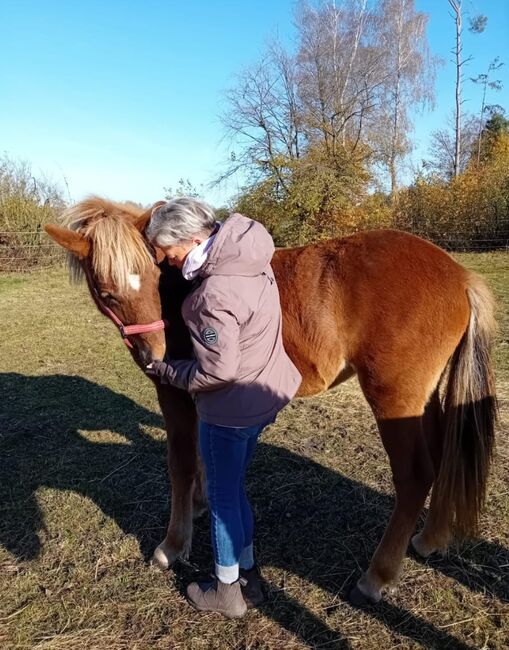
{"x": 264, "y": 118}
{"x": 486, "y": 82}
{"x": 458, "y": 52}
{"x": 339, "y": 72}
{"x": 410, "y": 78}
{"x": 442, "y": 148}
{"x": 477, "y": 25}
{"x": 313, "y": 123}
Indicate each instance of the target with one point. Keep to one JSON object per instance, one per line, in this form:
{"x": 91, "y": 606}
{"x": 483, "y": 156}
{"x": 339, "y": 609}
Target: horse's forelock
{"x": 118, "y": 249}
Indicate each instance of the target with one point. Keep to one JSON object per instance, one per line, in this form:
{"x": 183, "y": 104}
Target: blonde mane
{"x": 118, "y": 249}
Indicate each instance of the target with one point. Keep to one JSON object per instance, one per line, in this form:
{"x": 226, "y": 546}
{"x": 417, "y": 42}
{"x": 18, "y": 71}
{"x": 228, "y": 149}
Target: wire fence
{"x": 27, "y": 251}
{"x": 466, "y": 242}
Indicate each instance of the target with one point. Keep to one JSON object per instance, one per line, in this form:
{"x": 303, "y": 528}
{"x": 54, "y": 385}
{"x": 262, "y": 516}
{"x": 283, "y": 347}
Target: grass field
{"x": 84, "y": 500}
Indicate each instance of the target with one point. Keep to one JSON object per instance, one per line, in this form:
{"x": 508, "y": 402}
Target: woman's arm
{"x": 215, "y": 337}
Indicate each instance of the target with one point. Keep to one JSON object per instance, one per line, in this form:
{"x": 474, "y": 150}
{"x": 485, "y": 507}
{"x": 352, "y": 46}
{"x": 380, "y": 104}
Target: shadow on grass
{"x": 311, "y": 521}
{"x": 41, "y": 445}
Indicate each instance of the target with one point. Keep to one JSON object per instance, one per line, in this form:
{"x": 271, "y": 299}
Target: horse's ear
{"x": 159, "y": 255}
{"x": 142, "y": 221}
{"x": 69, "y": 239}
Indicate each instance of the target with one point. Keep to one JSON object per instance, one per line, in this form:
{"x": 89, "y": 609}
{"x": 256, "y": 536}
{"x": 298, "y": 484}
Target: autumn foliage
{"x": 468, "y": 212}
{"x": 330, "y": 198}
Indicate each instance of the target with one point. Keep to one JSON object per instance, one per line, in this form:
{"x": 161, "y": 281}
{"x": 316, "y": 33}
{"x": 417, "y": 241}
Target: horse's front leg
{"x": 200, "y": 502}
{"x": 184, "y": 469}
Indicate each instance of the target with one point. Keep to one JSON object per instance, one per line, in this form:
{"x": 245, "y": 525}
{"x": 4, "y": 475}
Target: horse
{"x": 401, "y": 314}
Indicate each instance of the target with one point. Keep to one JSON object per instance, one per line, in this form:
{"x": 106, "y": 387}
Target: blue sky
{"x": 122, "y": 99}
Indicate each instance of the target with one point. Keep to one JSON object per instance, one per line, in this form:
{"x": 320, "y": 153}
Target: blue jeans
{"x": 227, "y": 453}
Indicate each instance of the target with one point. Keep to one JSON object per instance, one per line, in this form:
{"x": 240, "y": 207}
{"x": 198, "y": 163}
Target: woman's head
{"x": 180, "y": 225}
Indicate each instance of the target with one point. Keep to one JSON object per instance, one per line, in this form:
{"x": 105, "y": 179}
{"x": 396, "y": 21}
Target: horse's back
{"x": 400, "y": 280}
{"x": 386, "y": 303}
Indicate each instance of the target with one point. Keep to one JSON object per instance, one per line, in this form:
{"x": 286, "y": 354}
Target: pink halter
{"x": 125, "y": 330}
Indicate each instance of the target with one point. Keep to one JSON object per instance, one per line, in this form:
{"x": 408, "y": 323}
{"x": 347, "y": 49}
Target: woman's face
{"x": 177, "y": 253}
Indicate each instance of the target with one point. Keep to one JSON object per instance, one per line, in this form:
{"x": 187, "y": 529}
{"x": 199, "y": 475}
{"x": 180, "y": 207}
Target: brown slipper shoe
{"x": 216, "y": 596}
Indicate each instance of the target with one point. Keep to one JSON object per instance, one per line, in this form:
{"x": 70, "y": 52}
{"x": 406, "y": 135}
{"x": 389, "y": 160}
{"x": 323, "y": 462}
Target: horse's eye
{"x": 106, "y": 295}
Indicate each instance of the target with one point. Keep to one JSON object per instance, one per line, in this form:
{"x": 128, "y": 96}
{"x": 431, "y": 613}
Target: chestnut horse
{"x": 412, "y": 324}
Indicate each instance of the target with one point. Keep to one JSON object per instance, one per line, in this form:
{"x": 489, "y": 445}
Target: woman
{"x": 241, "y": 375}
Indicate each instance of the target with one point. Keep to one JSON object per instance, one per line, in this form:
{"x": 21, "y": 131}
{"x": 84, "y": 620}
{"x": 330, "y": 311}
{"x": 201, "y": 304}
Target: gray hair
{"x": 180, "y": 219}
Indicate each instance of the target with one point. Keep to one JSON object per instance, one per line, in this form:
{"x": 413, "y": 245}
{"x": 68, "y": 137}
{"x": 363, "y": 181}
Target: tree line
{"x": 322, "y": 133}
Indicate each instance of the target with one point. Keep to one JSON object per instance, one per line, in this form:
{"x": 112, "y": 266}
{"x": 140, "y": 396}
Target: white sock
{"x": 227, "y": 574}
{"x": 246, "y": 560}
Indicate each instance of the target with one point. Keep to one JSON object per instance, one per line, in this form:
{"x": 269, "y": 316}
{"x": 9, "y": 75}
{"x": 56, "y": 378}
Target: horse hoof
{"x": 418, "y": 548}
{"x": 164, "y": 557}
{"x": 359, "y": 598}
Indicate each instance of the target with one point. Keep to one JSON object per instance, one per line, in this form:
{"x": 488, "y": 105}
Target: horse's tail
{"x": 470, "y": 411}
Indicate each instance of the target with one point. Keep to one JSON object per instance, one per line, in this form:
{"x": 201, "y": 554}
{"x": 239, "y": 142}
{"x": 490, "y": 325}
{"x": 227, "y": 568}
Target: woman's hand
{"x": 157, "y": 369}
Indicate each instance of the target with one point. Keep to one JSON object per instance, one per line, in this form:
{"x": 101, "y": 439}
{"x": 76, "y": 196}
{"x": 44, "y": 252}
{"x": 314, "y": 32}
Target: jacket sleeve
{"x": 214, "y": 333}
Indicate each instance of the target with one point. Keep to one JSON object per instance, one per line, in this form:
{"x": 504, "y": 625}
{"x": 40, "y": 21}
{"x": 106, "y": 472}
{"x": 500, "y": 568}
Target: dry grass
{"x": 84, "y": 501}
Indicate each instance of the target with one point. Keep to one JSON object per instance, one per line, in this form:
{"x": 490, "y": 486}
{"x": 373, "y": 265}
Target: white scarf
{"x": 197, "y": 257}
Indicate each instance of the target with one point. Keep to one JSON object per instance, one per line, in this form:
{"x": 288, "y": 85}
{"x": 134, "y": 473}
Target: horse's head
{"x": 105, "y": 245}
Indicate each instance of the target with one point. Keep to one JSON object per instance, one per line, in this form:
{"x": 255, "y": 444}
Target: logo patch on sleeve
{"x": 209, "y": 336}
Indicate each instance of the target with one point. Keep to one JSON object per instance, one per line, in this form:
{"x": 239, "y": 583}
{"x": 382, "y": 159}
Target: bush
{"x": 467, "y": 213}
{"x": 311, "y": 198}
{"x": 319, "y": 197}
{"x": 26, "y": 204}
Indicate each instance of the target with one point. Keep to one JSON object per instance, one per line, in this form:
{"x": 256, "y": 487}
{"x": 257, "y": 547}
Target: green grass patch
{"x": 9, "y": 282}
{"x": 84, "y": 501}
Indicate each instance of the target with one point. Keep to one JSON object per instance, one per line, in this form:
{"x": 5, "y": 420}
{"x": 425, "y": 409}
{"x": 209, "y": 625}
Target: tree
{"x": 308, "y": 127}
{"x": 27, "y": 202}
{"x": 495, "y": 129}
{"x": 484, "y": 81}
{"x": 184, "y": 188}
{"x": 410, "y": 77}
{"x": 264, "y": 119}
{"x": 338, "y": 72}
{"x": 469, "y": 211}
{"x": 441, "y": 159}
{"x": 497, "y": 123}
{"x": 456, "y": 6}
{"x": 477, "y": 25}
{"x": 356, "y": 72}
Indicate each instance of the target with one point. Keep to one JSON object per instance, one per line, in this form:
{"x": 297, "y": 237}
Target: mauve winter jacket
{"x": 241, "y": 374}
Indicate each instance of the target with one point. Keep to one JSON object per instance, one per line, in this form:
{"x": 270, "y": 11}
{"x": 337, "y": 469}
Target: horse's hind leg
{"x": 436, "y": 533}
{"x": 412, "y": 471}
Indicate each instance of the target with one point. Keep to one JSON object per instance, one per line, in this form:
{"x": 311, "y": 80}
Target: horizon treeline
{"x": 322, "y": 134}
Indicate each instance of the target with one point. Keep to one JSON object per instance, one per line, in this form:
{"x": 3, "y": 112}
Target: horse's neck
{"x": 173, "y": 290}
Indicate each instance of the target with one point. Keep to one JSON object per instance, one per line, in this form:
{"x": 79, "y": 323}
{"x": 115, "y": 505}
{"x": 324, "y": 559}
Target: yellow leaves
{"x": 326, "y": 196}
{"x": 474, "y": 205}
